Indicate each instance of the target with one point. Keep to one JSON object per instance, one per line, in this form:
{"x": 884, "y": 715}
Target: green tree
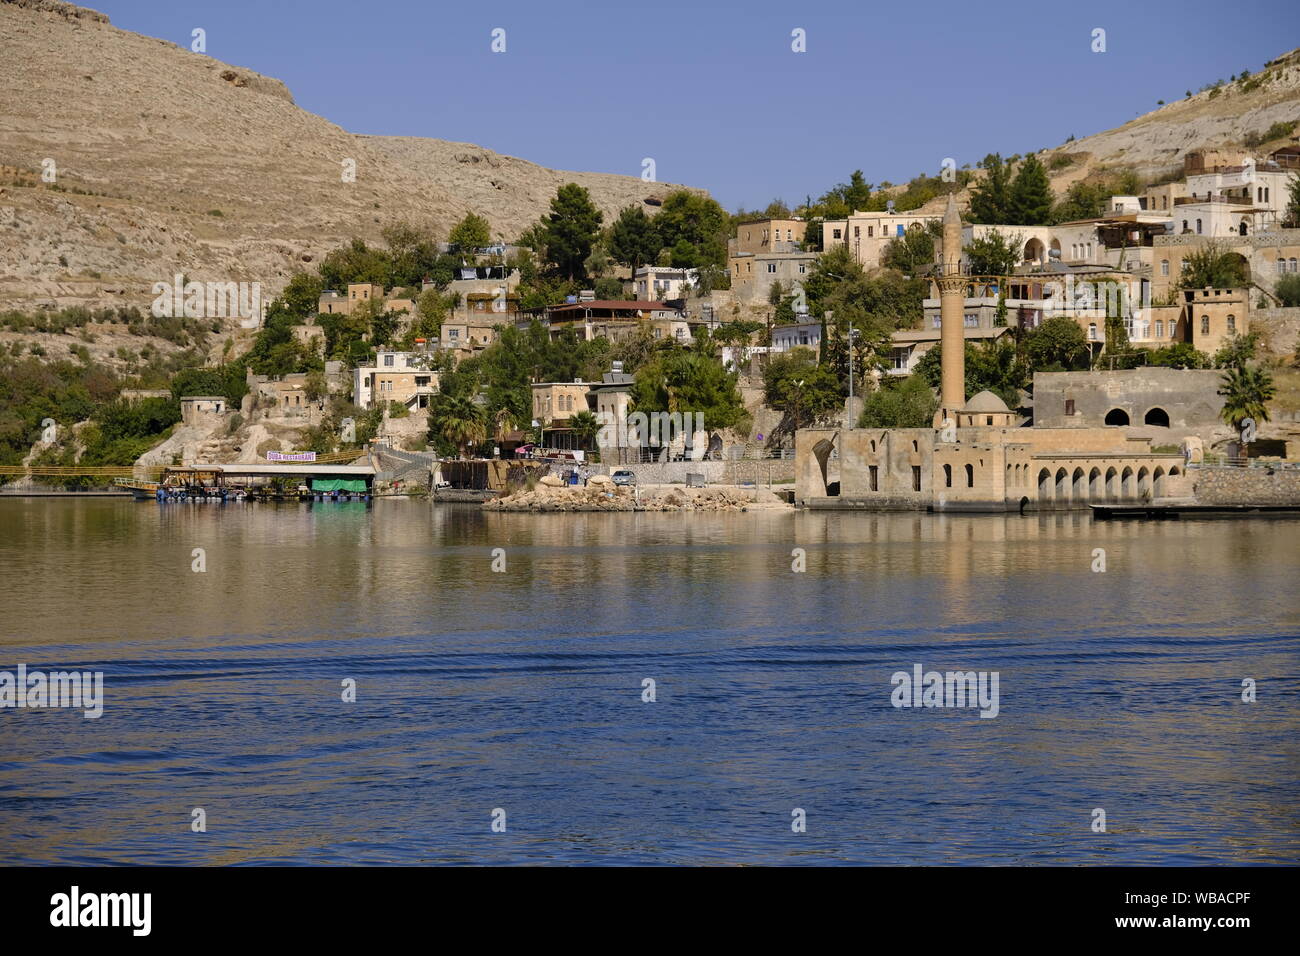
{"x": 1213, "y": 266}
{"x": 688, "y": 382}
{"x": 1238, "y": 351}
{"x": 1293, "y": 205}
{"x": 795, "y": 383}
{"x": 457, "y": 419}
{"x": 470, "y": 234}
{"x": 633, "y": 239}
{"x": 1178, "y": 355}
{"x": 1287, "y": 290}
{"x": 1031, "y": 195}
{"x": 990, "y": 199}
{"x": 1057, "y": 344}
{"x": 585, "y": 425}
{"x": 1246, "y": 393}
{"x": 571, "y": 230}
{"x": 994, "y": 254}
{"x": 698, "y": 221}
{"x": 900, "y": 403}
{"x": 913, "y": 253}
{"x": 301, "y": 297}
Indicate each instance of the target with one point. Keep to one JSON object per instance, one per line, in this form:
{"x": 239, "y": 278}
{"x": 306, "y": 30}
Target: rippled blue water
{"x": 522, "y": 690}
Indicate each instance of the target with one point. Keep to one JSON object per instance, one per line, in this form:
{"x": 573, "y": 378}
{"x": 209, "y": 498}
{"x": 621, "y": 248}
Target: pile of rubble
{"x": 601, "y": 494}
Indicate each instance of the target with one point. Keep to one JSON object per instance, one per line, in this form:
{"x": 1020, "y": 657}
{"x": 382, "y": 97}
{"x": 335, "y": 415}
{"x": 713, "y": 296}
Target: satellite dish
{"x": 889, "y": 206}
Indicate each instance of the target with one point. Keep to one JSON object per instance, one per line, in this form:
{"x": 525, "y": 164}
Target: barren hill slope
{"x": 169, "y": 161}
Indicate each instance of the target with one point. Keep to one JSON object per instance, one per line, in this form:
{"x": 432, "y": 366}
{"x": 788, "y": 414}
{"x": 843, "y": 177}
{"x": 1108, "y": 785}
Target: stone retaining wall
{"x": 1257, "y": 485}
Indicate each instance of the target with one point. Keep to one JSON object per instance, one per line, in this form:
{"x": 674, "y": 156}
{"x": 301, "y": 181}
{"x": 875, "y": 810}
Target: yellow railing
{"x": 75, "y": 471}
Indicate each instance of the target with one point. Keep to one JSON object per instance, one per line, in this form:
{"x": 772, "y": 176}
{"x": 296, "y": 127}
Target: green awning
{"x": 353, "y": 485}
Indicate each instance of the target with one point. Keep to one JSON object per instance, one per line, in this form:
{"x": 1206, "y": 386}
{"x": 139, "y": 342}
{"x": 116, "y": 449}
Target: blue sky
{"x": 714, "y": 93}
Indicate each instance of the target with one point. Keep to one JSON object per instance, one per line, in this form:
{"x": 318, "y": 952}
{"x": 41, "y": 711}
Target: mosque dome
{"x": 986, "y": 401}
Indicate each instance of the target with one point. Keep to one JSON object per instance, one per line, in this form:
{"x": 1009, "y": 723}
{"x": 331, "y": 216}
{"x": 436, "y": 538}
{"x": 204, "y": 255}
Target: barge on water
{"x": 1176, "y": 511}
{"x": 258, "y": 482}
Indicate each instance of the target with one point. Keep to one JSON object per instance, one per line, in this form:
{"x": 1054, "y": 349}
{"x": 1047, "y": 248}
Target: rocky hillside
{"x": 169, "y": 161}
{"x": 1235, "y": 114}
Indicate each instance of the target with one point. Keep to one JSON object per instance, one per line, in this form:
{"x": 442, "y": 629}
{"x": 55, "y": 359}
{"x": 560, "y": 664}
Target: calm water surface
{"x": 522, "y": 690}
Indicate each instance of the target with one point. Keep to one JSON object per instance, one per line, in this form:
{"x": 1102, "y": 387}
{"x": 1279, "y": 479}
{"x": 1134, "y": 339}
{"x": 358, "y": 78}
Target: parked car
{"x": 623, "y": 477}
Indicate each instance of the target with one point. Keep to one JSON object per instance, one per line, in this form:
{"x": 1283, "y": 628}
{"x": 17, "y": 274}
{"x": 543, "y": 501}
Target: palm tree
{"x": 503, "y": 420}
{"x": 585, "y": 425}
{"x": 1246, "y": 393}
{"x": 462, "y": 422}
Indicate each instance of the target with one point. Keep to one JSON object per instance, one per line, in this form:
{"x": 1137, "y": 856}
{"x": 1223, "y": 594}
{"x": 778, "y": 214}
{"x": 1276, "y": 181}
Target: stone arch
{"x": 822, "y": 452}
{"x": 1158, "y": 483}
{"x": 1112, "y": 483}
{"x": 1243, "y": 265}
{"x": 1156, "y": 416}
{"x": 1117, "y": 416}
{"x": 1095, "y": 489}
{"x": 1044, "y": 485}
{"x": 1055, "y": 246}
{"x": 947, "y": 476}
{"x": 1143, "y": 482}
{"x": 970, "y": 476}
{"x": 1175, "y": 470}
{"x": 1062, "y": 486}
{"x": 1035, "y": 251}
{"x": 1126, "y": 482}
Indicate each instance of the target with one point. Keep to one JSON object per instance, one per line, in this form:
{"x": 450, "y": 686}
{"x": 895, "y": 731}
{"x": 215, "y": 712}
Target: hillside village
{"x": 1161, "y": 301}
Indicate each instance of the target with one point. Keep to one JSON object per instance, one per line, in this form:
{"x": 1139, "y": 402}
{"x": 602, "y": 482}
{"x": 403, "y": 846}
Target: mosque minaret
{"x": 952, "y": 299}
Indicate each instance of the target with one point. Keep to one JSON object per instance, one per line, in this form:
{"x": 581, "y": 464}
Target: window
{"x": 970, "y": 473}
{"x": 1232, "y": 325}
{"x": 1205, "y": 325}
{"x": 1293, "y": 264}
{"x": 947, "y": 476}
{"x": 1160, "y": 328}
{"x": 857, "y": 232}
{"x": 937, "y": 321}
{"x": 870, "y": 231}
{"x": 972, "y": 321}
{"x": 835, "y": 233}
{"x": 1069, "y": 406}
{"x": 803, "y": 267}
{"x": 1198, "y": 227}
{"x": 1281, "y": 266}
{"x": 388, "y": 361}
{"x": 1092, "y": 332}
{"x": 771, "y": 268}
{"x": 1164, "y": 267}
{"x": 916, "y": 477}
{"x": 875, "y": 477}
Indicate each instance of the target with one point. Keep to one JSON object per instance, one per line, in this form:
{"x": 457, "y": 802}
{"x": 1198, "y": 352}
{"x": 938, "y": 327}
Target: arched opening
{"x": 1035, "y": 251}
{"x": 1062, "y": 485}
{"x": 970, "y": 476}
{"x": 1117, "y": 416}
{"x": 1175, "y": 471}
{"x": 1157, "y": 416}
{"x": 1242, "y": 229}
{"x": 947, "y": 476}
{"x": 1112, "y": 484}
{"x": 1242, "y": 266}
{"x": 822, "y": 452}
{"x": 1144, "y": 482}
{"x": 1077, "y": 480}
{"x": 1126, "y": 483}
{"x": 1056, "y": 246}
{"x": 1158, "y": 483}
{"x": 1044, "y": 485}
{"x": 1095, "y": 490}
